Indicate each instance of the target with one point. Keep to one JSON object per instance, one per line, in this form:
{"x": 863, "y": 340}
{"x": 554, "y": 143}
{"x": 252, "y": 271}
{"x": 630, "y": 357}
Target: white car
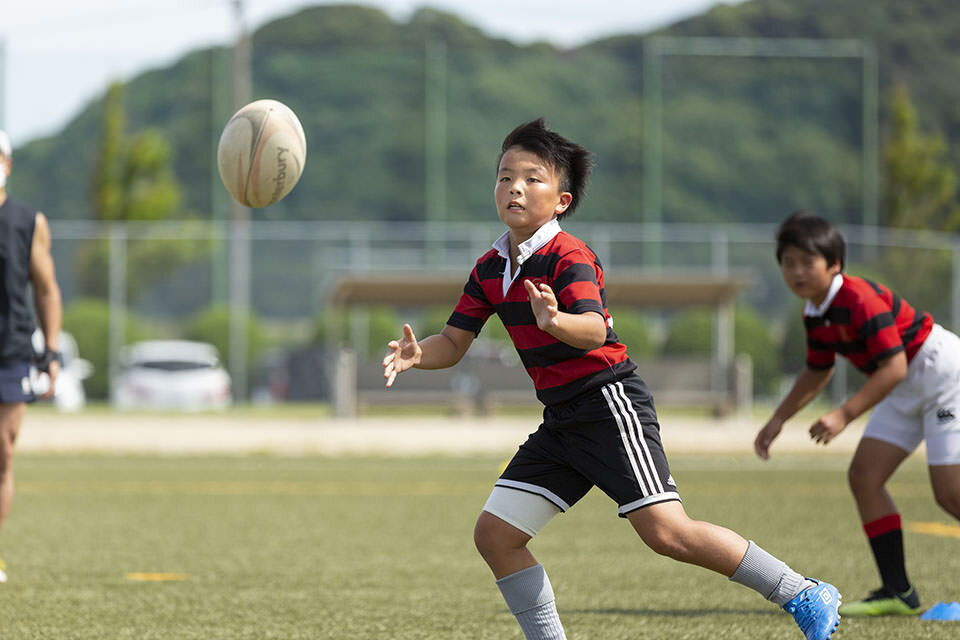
{"x": 170, "y": 374}
{"x": 69, "y": 394}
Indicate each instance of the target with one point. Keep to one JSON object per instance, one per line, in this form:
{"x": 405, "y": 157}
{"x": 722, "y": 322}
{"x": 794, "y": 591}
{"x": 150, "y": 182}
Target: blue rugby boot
{"x": 815, "y": 610}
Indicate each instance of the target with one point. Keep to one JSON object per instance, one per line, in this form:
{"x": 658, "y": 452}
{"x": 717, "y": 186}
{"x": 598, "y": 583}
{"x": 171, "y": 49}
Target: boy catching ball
{"x": 913, "y": 386}
{"x": 599, "y": 424}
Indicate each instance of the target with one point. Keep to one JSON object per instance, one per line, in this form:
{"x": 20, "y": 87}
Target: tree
{"x": 88, "y": 320}
{"x": 133, "y": 180}
{"x": 212, "y": 325}
{"x": 919, "y": 192}
{"x": 920, "y": 186}
{"x": 107, "y": 196}
{"x": 691, "y": 333}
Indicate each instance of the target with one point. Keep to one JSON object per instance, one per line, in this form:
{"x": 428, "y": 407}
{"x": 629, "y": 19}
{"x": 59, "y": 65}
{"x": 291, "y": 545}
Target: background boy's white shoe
{"x": 3, "y": 575}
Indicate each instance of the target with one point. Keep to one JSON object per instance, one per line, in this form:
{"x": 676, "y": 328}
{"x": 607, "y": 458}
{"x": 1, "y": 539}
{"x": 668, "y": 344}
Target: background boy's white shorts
{"x": 926, "y": 404}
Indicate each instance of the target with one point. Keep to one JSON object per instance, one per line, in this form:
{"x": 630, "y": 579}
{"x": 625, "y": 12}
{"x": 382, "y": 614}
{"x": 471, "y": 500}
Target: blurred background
{"x": 710, "y": 121}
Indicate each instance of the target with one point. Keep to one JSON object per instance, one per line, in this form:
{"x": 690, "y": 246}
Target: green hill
{"x": 744, "y": 139}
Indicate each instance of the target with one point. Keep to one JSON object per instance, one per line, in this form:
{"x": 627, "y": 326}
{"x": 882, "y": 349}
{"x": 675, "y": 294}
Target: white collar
{"x": 529, "y": 246}
{"x": 810, "y": 310}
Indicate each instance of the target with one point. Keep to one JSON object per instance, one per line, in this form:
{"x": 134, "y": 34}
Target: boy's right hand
{"x": 404, "y": 353}
{"x": 766, "y": 436}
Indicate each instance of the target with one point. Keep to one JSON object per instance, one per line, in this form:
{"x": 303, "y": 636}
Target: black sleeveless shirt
{"x": 16, "y": 319}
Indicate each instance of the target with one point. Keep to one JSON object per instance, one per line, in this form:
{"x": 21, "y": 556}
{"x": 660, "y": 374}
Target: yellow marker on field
{"x": 936, "y": 529}
{"x": 156, "y": 577}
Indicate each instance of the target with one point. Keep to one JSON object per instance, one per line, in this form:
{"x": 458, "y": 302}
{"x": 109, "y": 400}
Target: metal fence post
{"x": 117, "y": 293}
{"x": 239, "y": 305}
{"x": 345, "y": 384}
{"x": 723, "y": 319}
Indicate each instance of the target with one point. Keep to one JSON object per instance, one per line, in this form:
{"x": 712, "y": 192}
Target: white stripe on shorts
{"x": 627, "y": 426}
{"x": 643, "y": 443}
{"x": 623, "y": 436}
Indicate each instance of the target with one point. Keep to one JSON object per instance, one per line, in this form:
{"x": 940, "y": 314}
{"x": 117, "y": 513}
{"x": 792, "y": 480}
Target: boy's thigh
{"x": 941, "y": 428}
{"x": 940, "y": 382}
{"x": 945, "y": 480}
{"x": 889, "y": 423}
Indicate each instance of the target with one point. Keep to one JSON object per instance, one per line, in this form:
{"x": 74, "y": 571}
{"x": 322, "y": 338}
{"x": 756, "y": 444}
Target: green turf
{"x": 352, "y": 548}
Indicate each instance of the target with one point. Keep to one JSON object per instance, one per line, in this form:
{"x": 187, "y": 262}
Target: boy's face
{"x": 807, "y": 274}
{"x": 528, "y": 192}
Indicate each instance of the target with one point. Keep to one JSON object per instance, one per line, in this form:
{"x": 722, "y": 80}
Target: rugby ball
{"x": 261, "y": 153}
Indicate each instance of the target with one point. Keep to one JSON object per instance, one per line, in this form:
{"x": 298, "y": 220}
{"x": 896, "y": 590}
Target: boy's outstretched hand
{"x": 404, "y": 354}
{"x": 544, "y": 304}
{"x": 828, "y": 426}
{"x": 765, "y": 438}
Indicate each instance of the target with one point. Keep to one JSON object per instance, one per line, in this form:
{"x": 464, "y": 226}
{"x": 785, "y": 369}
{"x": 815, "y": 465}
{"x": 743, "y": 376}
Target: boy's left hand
{"x": 828, "y": 426}
{"x": 544, "y": 304}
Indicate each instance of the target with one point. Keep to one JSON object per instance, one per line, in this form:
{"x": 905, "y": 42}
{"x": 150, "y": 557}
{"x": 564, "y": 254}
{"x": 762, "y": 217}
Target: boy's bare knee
{"x": 665, "y": 528}
{"x": 6, "y": 462}
{"x": 861, "y": 478}
{"x": 7, "y": 440}
{"x": 668, "y": 544}
{"x": 482, "y": 538}
{"x": 492, "y": 536}
{"x": 666, "y": 539}
{"x": 949, "y": 501}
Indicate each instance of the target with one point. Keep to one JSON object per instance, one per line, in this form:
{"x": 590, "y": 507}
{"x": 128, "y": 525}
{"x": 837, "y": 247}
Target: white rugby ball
{"x": 261, "y": 153}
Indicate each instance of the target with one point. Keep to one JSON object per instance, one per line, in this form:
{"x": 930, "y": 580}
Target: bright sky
{"x": 57, "y": 55}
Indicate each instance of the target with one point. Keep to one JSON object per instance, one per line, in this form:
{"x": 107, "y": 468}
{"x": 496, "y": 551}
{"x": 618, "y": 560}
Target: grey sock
{"x": 530, "y": 597}
{"x": 768, "y": 576}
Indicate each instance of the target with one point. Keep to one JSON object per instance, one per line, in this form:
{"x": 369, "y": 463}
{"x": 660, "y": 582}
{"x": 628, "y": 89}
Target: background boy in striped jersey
{"x": 599, "y": 424}
{"x": 913, "y": 386}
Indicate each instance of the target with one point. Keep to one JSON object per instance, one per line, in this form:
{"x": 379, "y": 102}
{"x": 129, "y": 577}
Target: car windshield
{"x": 173, "y": 365}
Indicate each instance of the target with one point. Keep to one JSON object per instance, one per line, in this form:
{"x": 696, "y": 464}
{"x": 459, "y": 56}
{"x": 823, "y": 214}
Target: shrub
{"x": 88, "y": 320}
{"x": 212, "y": 325}
{"x": 691, "y": 333}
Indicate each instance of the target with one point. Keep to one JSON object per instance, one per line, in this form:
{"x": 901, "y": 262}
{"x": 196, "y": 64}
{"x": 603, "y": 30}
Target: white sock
{"x": 529, "y": 595}
{"x": 768, "y": 576}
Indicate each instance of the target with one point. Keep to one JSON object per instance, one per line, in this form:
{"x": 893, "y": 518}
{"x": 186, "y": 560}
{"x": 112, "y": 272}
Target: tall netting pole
{"x": 435, "y": 146}
{"x": 240, "y": 227}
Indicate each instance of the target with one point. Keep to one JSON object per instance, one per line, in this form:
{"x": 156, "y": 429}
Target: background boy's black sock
{"x": 886, "y": 540}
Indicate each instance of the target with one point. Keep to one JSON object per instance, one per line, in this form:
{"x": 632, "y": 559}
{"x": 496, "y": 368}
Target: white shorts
{"x": 926, "y": 404}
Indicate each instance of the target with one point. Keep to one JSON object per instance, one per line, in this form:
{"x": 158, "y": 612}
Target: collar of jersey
{"x": 529, "y": 246}
{"x": 810, "y": 310}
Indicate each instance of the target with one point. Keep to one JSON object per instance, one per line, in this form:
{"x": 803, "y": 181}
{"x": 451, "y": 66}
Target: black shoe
{"x": 885, "y": 602}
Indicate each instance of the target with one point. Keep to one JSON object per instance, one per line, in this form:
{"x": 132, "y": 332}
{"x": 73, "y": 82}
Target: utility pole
{"x": 435, "y": 146}
{"x": 240, "y": 225}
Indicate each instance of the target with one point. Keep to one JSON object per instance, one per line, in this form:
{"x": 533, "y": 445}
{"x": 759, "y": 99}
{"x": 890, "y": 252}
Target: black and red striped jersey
{"x": 565, "y": 263}
{"x": 864, "y": 322}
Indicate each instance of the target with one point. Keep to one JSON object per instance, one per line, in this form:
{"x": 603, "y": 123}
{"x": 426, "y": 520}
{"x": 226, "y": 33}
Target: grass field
{"x": 358, "y": 548}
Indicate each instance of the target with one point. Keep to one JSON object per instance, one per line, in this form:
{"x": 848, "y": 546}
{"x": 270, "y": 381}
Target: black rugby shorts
{"x": 608, "y": 437}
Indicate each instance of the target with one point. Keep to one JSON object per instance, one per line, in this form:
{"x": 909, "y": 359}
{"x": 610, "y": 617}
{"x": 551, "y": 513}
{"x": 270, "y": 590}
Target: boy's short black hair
{"x": 572, "y": 162}
{"x": 812, "y": 234}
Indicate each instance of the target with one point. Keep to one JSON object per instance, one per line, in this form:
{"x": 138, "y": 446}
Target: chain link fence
{"x": 124, "y": 282}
